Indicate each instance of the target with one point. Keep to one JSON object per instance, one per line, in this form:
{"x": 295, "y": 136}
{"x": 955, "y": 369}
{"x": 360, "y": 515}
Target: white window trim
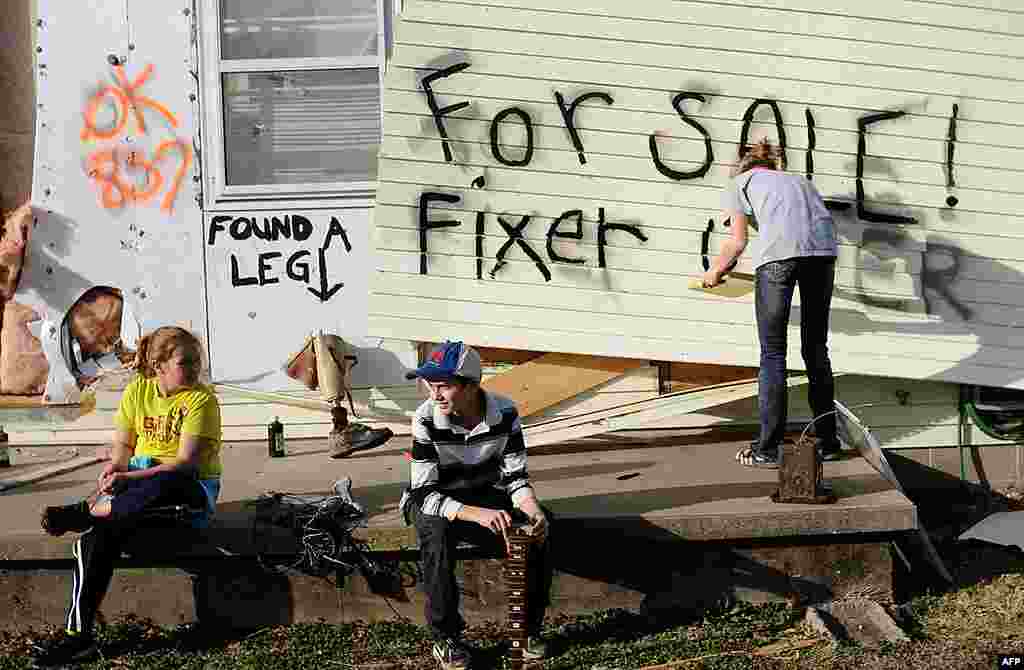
{"x": 290, "y": 64}
{"x": 217, "y": 194}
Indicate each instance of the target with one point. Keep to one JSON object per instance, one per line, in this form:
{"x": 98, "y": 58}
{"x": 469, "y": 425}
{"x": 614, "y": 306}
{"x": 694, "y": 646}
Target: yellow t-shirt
{"x": 159, "y": 422}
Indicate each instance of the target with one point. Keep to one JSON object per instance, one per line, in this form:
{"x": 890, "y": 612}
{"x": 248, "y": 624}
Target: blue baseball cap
{"x": 449, "y": 360}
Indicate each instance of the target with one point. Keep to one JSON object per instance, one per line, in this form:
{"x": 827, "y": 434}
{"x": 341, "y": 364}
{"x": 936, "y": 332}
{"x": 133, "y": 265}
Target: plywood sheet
{"x": 552, "y": 378}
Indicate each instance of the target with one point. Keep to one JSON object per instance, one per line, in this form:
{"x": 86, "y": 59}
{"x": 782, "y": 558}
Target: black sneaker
{"x": 64, "y": 518}
{"x": 67, "y": 650}
{"x": 452, "y": 654}
{"x": 829, "y": 451}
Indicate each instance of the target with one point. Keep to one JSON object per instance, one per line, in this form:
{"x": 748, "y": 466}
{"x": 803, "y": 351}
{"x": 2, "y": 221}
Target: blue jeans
{"x": 815, "y": 275}
{"x": 164, "y": 489}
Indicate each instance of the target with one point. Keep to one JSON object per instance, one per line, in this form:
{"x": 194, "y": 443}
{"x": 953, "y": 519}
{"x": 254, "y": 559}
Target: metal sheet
{"x": 1004, "y": 528}
{"x": 855, "y": 433}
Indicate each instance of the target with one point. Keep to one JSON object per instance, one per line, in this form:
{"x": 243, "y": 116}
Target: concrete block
{"x": 861, "y": 620}
{"x": 672, "y": 575}
{"x": 39, "y": 598}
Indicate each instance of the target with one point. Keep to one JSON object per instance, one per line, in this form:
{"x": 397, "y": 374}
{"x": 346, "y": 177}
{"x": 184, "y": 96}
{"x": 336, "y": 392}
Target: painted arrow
{"x": 324, "y": 293}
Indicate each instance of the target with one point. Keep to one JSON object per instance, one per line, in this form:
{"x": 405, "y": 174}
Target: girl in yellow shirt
{"x": 166, "y": 451}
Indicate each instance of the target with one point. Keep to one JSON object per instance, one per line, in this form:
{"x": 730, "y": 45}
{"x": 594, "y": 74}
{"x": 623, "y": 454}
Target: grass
{"x": 959, "y": 630}
{"x": 995, "y": 608}
{"x": 608, "y": 639}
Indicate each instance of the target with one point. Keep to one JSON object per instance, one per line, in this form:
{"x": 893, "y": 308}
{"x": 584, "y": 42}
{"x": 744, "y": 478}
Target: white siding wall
{"x": 939, "y": 299}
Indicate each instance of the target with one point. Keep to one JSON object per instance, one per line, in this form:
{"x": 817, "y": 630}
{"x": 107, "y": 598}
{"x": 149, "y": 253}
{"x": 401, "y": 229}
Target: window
{"x": 291, "y": 97}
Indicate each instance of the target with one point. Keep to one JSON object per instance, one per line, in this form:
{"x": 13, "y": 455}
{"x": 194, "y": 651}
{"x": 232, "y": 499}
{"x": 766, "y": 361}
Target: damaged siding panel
{"x": 937, "y": 296}
{"x": 113, "y": 193}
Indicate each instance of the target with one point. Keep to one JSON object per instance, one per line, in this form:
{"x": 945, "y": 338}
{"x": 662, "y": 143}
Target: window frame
{"x": 217, "y": 193}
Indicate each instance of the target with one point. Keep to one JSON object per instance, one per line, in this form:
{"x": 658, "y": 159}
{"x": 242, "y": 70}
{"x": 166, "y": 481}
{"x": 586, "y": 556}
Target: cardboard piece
{"x": 735, "y": 285}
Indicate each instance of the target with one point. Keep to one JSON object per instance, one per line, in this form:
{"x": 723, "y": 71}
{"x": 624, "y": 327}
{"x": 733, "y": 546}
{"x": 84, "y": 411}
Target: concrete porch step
{"x": 645, "y": 520}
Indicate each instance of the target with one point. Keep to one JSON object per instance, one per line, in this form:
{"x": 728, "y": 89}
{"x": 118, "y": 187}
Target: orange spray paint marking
{"x": 108, "y": 166}
{"x": 186, "y": 160}
{"x": 124, "y": 96}
{"x": 92, "y": 107}
{"x": 103, "y": 168}
{"x": 154, "y": 180}
{"x": 117, "y": 191}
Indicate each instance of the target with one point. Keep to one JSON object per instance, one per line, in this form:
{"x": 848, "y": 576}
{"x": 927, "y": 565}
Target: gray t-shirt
{"x": 792, "y": 220}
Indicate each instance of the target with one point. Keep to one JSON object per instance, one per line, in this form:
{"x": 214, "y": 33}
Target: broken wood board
{"x": 34, "y": 476}
{"x": 551, "y": 378}
{"x": 637, "y": 414}
{"x": 682, "y": 376}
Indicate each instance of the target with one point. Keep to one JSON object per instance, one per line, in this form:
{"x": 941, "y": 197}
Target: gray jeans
{"x": 815, "y": 275}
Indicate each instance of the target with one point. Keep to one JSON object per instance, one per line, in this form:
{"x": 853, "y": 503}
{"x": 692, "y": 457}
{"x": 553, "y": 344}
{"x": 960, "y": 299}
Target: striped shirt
{"x": 447, "y": 458}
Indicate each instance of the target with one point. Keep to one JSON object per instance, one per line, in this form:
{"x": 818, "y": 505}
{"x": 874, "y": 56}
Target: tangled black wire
{"x": 323, "y": 526}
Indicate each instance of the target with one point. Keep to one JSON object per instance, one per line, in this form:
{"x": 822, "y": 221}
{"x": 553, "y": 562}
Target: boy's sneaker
{"x": 536, "y": 648}
{"x": 452, "y": 654}
{"x": 64, "y": 518}
{"x": 68, "y": 649}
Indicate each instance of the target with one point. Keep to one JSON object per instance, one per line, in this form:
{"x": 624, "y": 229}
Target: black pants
{"x": 96, "y": 550}
{"x": 438, "y": 538}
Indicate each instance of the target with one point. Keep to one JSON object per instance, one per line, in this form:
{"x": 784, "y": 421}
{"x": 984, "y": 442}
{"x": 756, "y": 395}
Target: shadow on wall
{"x": 377, "y": 366}
{"x": 47, "y": 280}
{"x": 380, "y": 375}
{"x": 942, "y": 269}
